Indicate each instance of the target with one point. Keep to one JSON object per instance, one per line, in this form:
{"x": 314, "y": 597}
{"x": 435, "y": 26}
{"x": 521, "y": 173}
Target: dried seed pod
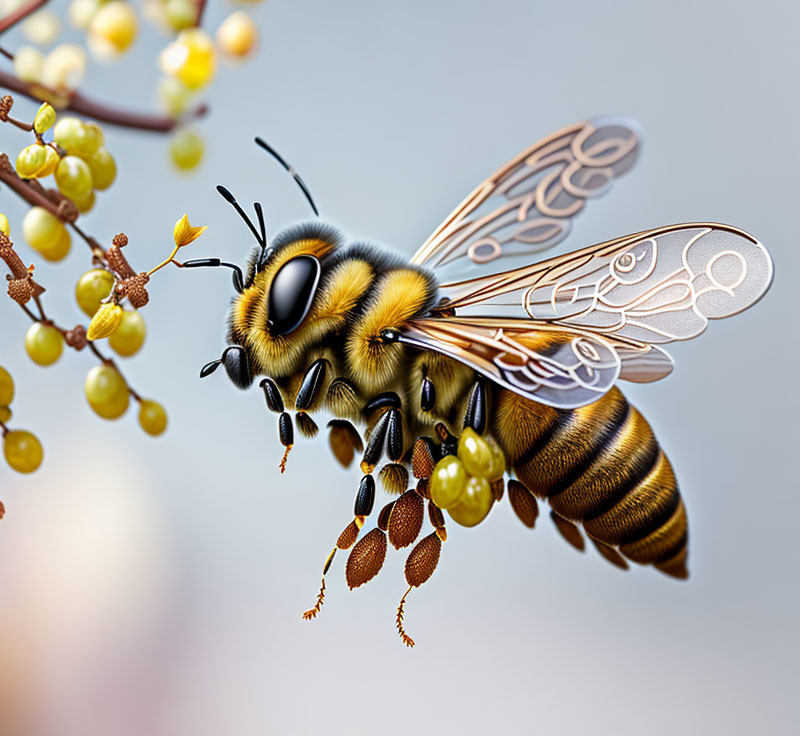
{"x": 614, "y": 557}
{"x": 569, "y": 531}
{"x": 311, "y": 384}
{"x": 424, "y": 488}
{"x": 344, "y": 440}
{"x": 383, "y": 516}
{"x": 498, "y": 488}
{"x": 134, "y": 288}
{"x": 20, "y": 290}
{"x": 394, "y": 478}
{"x": 366, "y": 559}
{"x": 272, "y": 395}
{"x": 435, "y": 515}
{"x": 423, "y": 457}
{"x": 365, "y": 498}
{"x": 348, "y": 537}
{"x": 523, "y": 502}
{"x": 306, "y": 425}
{"x": 375, "y": 442}
{"x": 405, "y": 519}
{"x": 76, "y": 337}
{"x": 423, "y": 560}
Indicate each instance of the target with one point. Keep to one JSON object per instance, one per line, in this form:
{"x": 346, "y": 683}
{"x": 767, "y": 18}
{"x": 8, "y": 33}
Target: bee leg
{"x": 272, "y": 395}
{"x": 365, "y": 500}
{"x": 286, "y": 434}
{"x": 476, "y": 416}
{"x": 307, "y": 395}
{"x": 569, "y": 531}
{"x": 375, "y": 443}
{"x": 394, "y": 476}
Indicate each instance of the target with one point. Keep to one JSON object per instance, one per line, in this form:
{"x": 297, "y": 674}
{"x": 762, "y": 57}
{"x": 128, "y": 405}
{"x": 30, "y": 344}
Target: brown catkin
{"x": 422, "y": 462}
{"x": 523, "y": 502}
{"x": 366, "y": 559}
{"x": 405, "y": 519}
{"x": 348, "y": 537}
{"x": 423, "y": 559}
{"x": 383, "y": 516}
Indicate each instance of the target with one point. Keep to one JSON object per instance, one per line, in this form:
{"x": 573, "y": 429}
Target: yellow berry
{"x": 191, "y": 58}
{"x": 45, "y": 118}
{"x": 186, "y": 149}
{"x": 152, "y": 417}
{"x": 128, "y": 338}
{"x": 103, "y": 168}
{"x": 106, "y": 392}
{"x": 105, "y": 321}
{"x": 474, "y": 452}
{"x": 237, "y": 35}
{"x": 59, "y": 249}
{"x": 174, "y": 95}
{"x": 22, "y": 450}
{"x": 74, "y": 178}
{"x": 85, "y": 205}
{"x": 5, "y": 414}
{"x": 92, "y": 288}
{"x": 43, "y": 343}
{"x": 41, "y": 28}
{"x": 28, "y": 63}
{"x": 475, "y": 504}
{"x": 5, "y": 227}
{"x": 78, "y": 138}
{"x": 448, "y": 482}
{"x": 31, "y": 160}
{"x": 180, "y": 14}
{"x": 51, "y": 162}
{"x": 81, "y": 12}
{"x": 6, "y": 387}
{"x": 498, "y": 465}
{"x": 64, "y": 67}
{"x": 113, "y": 28}
{"x": 41, "y": 229}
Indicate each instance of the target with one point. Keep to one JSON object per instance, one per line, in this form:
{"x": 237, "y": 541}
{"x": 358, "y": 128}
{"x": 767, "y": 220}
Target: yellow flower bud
{"x": 45, "y": 118}
{"x": 184, "y": 233}
{"x": 4, "y": 226}
{"x": 105, "y": 321}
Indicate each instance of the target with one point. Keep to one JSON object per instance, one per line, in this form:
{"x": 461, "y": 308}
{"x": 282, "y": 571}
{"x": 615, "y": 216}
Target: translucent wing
{"x": 528, "y": 205}
{"x": 556, "y": 367}
{"x": 610, "y": 304}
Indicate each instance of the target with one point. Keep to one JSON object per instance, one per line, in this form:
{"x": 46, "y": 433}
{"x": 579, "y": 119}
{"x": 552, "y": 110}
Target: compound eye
{"x": 291, "y": 293}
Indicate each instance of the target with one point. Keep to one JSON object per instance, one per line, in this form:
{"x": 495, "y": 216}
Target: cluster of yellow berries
{"x": 81, "y": 166}
{"x": 21, "y": 449}
{"x": 462, "y": 483}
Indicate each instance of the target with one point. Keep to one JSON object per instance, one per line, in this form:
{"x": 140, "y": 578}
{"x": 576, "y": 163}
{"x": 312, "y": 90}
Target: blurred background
{"x": 155, "y": 585}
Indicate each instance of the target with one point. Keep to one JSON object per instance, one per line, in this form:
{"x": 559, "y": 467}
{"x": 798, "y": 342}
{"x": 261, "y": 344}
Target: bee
{"x": 522, "y": 362}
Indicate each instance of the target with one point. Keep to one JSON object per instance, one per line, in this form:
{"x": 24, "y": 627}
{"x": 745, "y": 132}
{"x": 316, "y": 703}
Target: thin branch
{"x": 201, "y": 6}
{"x": 99, "y": 111}
{"x": 20, "y": 14}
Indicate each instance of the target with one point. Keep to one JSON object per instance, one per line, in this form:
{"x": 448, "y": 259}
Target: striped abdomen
{"x": 599, "y": 465}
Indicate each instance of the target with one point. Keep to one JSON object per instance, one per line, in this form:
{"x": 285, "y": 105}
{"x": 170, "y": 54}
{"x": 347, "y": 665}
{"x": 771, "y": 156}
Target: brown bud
{"x": 424, "y": 487}
{"x": 435, "y": 515}
{"x": 5, "y": 164}
{"x": 67, "y": 210}
{"x": 394, "y": 478}
{"x": 2, "y": 510}
{"x": 136, "y": 291}
{"x": 405, "y": 519}
{"x": 569, "y": 531}
{"x": 383, "y": 516}
{"x": 614, "y": 557}
{"x": 6, "y": 103}
{"x": 366, "y": 559}
{"x": 120, "y": 240}
{"x": 20, "y": 290}
{"x": 422, "y": 462}
{"x": 498, "y": 488}
{"x": 348, "y": 537}
{"x": 76, "y": 337}
{"x": 344, "y": 441}
{"x": 423, "y": 560}
{"x": 523, "y": 502}
{"x": 118, "y": 262}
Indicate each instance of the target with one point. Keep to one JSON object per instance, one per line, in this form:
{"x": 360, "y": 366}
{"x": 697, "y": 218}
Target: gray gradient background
{"x": 159, "y": 589}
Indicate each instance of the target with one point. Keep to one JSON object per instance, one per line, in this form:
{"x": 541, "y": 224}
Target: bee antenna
{"x": 261, "y": 238}
{"x": 272, "y": 152}
{"x": 260, "y": 213}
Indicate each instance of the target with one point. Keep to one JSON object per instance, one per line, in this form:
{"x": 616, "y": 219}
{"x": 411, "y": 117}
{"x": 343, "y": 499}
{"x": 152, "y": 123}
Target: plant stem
{"x": 20, "y": 14}
{"x": 99, "y": 111}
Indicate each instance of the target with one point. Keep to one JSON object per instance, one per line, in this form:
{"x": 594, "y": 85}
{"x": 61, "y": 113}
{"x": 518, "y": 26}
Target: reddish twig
{"x": 99, "y": 111}
{"x": 20, "y": 14}
{"x": 201, "y": 6}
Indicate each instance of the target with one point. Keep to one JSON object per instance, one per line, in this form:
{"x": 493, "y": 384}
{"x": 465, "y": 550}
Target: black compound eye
{"x": 291, "y": 293}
